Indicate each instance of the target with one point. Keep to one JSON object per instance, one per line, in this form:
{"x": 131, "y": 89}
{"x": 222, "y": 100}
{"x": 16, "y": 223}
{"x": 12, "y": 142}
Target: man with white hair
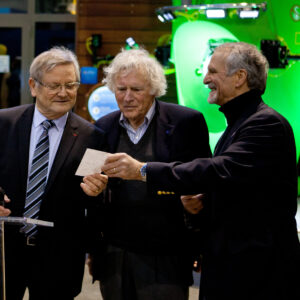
{"x": 149, "y": 251}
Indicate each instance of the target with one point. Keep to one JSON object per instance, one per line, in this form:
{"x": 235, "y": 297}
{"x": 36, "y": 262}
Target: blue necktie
{"x": 37, "y": 179}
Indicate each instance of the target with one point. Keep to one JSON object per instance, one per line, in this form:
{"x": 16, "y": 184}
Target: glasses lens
{"x": 72, "y": 86}
{"x": 56, "y": 88}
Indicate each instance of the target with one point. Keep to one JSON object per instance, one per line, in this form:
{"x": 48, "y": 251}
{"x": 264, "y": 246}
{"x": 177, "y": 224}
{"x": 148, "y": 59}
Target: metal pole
{"x": 2, "y": 250}
{"x": 11, "y": 220}
{"x": 2, "y": 263}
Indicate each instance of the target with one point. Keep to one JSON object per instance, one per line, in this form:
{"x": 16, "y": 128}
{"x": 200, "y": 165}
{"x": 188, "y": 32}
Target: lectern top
{"x": 23, "y": 220}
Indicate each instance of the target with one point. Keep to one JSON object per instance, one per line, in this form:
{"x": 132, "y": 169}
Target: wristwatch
{"x": 143, "y": 172}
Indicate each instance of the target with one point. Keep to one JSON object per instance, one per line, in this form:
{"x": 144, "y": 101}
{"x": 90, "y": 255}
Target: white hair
{"x": 137, "y": 60}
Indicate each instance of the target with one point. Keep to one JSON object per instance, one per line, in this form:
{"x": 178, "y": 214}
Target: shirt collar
{"x": 148, "y": 117}
{"x": 39, "y": 118}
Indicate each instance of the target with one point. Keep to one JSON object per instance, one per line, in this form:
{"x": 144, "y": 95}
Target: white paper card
{"x": 92, "y": 162}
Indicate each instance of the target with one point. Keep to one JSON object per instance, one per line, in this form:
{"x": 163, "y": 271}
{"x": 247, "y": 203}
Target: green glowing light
{"x": 191, "y": 48}
{"x": 193, "y": 38}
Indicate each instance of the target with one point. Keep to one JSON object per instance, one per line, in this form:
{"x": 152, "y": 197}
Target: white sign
{"x": 4, "y": 63}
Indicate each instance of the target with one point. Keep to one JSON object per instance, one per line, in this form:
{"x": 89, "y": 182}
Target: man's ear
{"x": 241, "y": 78}
{"x": 32, "y": 86}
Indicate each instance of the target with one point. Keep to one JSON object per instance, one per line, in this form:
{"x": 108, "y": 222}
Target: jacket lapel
{"x": 24, "y": 130}
{"x": 66, "y": 144}
{"x": 164, "y": 132}
{"x": 114, "y": 134}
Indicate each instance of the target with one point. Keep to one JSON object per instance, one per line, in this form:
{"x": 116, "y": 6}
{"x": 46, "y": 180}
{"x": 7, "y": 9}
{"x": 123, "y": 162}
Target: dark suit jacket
{"x": 180, "y": 134}
{"x": 64, "y": 203}
{"x": 252, "y": 248}
{"x": 176, "y": 129}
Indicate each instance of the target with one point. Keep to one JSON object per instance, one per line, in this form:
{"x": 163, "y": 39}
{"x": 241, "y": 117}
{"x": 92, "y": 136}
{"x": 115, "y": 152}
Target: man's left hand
{"x": 4, "y": 212}
{"x": 193, "y": 203}
{"x": 94, "y": 184}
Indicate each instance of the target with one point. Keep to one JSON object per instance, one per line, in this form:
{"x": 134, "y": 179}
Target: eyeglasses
{"x": 55, "y": 88}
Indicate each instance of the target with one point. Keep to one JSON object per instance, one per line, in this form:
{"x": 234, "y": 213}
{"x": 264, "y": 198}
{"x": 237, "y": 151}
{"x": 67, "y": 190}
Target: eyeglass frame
{"x": 57, "y": 89}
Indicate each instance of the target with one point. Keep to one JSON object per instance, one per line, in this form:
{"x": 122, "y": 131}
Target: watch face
{"x": 143, "y": 170}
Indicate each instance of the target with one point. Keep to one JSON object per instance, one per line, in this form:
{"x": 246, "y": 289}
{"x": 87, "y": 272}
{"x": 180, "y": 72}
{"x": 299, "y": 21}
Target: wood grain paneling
{"x": 120, "y": 35}
{"x": 157, "y": 2}
{"x": 130, "y": 23}
{"x": 117, "y": 9}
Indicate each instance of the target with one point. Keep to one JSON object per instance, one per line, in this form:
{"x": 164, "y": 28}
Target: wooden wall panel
{"x": 101, "y": 8}
{"x": 119, "y": 36}
{"x": 115, "y": 20}
{"x": 128, "y": 23}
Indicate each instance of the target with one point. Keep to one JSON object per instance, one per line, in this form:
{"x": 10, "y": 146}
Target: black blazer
{"x": 252, "y": 248}
{"x": 180, "y": 134}
{"x": 64, "y": 202}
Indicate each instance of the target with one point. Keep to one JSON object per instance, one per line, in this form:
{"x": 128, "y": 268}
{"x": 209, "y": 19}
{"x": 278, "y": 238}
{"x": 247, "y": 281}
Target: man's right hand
{"x": 89, "y": 262}
{"x": 192, "y": 203}
{"x": 123, "y": 166}
{"x": 4, "y": 212}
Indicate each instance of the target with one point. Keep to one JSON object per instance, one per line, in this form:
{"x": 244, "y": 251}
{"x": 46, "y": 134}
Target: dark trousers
{"x": 24, "y": 270}
{"x": 132, "y": 276}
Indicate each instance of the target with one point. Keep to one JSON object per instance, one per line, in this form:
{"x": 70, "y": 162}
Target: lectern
{"x": 12, "y": 221}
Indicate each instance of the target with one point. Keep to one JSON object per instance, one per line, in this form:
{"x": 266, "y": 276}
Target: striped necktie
{"x": 37, "y": 179}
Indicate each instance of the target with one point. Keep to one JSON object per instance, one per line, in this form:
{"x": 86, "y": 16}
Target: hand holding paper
{"x": 92, "y": 162}
{"x": 94, "y": 184}
{"x": 123, "y": 166}
{"x": 3, "y": 199}
{"x": 90, "y": 167}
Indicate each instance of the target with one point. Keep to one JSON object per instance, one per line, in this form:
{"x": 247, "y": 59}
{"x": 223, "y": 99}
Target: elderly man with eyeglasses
{"x": 41, "y": 146}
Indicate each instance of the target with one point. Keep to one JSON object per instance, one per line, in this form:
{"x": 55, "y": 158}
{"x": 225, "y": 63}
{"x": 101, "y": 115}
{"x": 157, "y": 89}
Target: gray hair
{"x": 248, "y": 57}
{"x": 48, "y": 60}
{"x": 137, "y": 60}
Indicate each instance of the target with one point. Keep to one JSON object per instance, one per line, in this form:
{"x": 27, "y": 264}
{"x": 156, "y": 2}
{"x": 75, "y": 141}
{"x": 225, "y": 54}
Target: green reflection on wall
{"x": 192, "y": 38}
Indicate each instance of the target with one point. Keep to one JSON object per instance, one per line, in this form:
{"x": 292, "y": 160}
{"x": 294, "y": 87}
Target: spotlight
{"x": 161, "y": 18}
{"x": 276, "y": 54}
{"x": 248, "y": 13}
{"x": 165, "y": 15}
{"x": 215, "y": 13}
{"x": 162, "y": 53}
{"x": 168, "y": 16}
{"x": 131, "y": 44}
{"x": 212, "y": 11}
